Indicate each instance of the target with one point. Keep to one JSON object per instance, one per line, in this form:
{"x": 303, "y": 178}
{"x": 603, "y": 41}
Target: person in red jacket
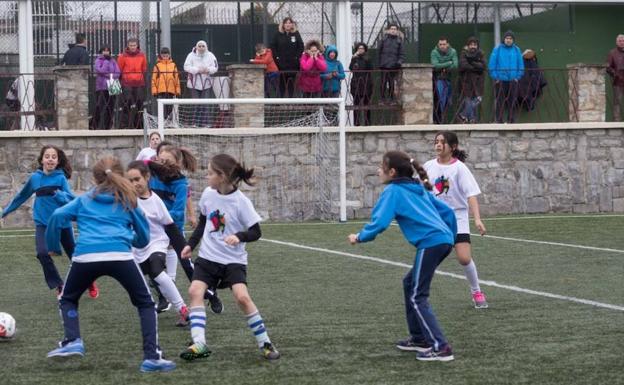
{"x": 271, "y": 72}
{"x": 133, "y": 64}
{"x": 615, "y": 68}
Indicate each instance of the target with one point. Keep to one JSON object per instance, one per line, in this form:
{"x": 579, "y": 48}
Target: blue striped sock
{"x": 198, "y": 324}
{"x": 256, "y": 324}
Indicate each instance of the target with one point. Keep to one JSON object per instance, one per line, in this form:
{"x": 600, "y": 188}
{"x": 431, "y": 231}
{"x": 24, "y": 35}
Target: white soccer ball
{"x": 7, "y": 326}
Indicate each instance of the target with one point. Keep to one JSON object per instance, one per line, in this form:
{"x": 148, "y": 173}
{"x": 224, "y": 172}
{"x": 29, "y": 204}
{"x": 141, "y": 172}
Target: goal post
{"x": 259, "y": 117}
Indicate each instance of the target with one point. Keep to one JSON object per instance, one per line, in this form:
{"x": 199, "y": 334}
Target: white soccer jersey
{"x": 146, "y": 154}
{"x": 453, "y": 184}
{"x": 225, "y": 215}
{"x": 157, "y": 216}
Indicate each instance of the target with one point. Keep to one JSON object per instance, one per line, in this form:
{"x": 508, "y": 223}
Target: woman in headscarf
{"x": 199, "y": 65}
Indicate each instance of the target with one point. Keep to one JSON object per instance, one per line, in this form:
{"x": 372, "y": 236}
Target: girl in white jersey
{"x": 163, "y": 232}
{"x": 150, "y": 152}
{"x": 457, "y": 187}
{"x": 228, "y": 220}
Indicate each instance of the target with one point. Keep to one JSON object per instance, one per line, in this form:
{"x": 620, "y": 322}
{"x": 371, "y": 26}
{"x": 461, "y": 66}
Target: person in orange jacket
{"x": 165, "y": 79}
{"x": 133, "y": 65}
{"x": 271, "y": 72}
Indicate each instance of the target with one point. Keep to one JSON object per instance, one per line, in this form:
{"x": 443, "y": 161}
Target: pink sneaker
{"x": 479, "y": 300}
{"x": 184, "y": 317}
{"x": 94, "y": 291}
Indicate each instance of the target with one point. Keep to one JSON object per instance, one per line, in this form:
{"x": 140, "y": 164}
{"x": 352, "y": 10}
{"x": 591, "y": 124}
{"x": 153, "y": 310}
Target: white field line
{"x": 452, "y": 275}
{"x": 551, "y": 243}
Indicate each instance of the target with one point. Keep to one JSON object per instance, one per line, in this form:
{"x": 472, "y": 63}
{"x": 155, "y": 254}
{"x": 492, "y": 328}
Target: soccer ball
{"x": 7, "y": 326}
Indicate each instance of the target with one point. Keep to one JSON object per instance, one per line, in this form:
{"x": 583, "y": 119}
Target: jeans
{"x": 204, "y": 114}
{"x": 618, "y": 98}
{"x": 442, "y": 97}
{"x": 469, "y": 108}
{"x": 506, "y": 94}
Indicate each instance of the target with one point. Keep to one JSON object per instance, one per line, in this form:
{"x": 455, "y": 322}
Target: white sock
{"x": 198, "y": 324}
{"x": 169, "y": 290}
{"x": 470, "y": 270}
{"x": 256, "y": 324}
{"x": 172, "y": 263}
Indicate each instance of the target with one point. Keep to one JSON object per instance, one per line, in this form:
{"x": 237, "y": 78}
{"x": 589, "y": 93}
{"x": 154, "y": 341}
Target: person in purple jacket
{"x": 104, "y": 67}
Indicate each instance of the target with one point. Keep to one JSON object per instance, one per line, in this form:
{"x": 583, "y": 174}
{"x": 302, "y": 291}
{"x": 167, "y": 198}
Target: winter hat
{"x": 510, "y": 34}
{"x": 165, "y": 50}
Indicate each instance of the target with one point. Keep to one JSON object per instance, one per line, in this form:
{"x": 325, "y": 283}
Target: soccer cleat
{"x": 163, "y": 304}
{"x": 184, "y": 317}
{"x": 409, "y": 345}
{"x": 94, "y": 291}
{"x": 160, "y": 365}
{"x": 215, "y": 302}
{"x": 269, "y": 352}
{"x": 479, "y": 300}
{"x": 444, "y": 354}
{"x": 67, "y": 349}
{"x": 195, "y": 351}
{"x": 59, "y": 292}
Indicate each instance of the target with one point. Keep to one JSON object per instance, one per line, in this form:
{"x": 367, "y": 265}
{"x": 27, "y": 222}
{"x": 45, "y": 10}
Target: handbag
{"x": 113, "y": 85}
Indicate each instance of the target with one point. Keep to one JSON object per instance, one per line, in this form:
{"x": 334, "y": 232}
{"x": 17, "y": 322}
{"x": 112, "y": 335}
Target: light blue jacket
{"x": 104, "y": 225}
{"x": 506, "y": 63}
{"x": 424, "y": 220}
{"x": 332, "y": 84}
{"x": 173, "y": 195}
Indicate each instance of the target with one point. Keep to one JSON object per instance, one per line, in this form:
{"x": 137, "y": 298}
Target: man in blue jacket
{"x": 506, "y": 68}
{"x": 77, "y": 54}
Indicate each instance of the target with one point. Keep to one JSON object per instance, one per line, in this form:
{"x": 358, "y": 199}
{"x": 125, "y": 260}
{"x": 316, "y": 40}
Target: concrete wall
{"x": 527, "y": 169}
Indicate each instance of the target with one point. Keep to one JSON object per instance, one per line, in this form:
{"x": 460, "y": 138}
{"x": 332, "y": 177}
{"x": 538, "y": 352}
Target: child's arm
{"x": 65, "y": 195}
{"x": 176, "y": 238}
{"x": 60, "y": 219}
{"x": 473, "y": 204}
{"x": 141, "y": 228}
{"x": 195, "y": 237}
{"x": 20, "y": 198}
{"x": 178, "y": 208}
{"x": 251, "y": 235}
{"x": 382, "y": 216}
{"x": 190, "y": 212}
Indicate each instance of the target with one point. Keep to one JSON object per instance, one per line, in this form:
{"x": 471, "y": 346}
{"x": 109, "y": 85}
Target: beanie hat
{"x": 510, "y": 34}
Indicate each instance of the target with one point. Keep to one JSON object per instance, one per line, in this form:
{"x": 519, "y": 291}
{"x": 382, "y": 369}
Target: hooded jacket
{"x": 361, "y": 75}
{"x": 133, "y": 66}
{"x": 195, "y": 65}
{"x": 615, "y": 66}
{"x": 424, "y": 220}
{"x": 391, "y": 51}
{"x": 52, "y": 191}
{"x": 311, "y": 69}
{"x": 77, "y": 54}
{"x": 506, "y": 63}
{"x": 332, "y": 83}
{"x": 472, "y": 71}
{"x": 267, "y": 59}
{"x": 173, "y": 195}
{"x": 287, "y": 48}
{"x": 104, "y": 226}
{"x": 165, "y": 77}
{"x": 104, "y": 67}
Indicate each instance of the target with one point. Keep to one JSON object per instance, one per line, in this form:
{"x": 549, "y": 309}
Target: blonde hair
{"x": 109, "y": 177}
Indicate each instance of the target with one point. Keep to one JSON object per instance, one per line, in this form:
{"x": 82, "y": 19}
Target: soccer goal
{"x": 297, "y": 147}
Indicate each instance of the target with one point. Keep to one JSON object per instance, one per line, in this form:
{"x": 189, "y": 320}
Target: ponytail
{"x": 451, "y": 139}
{"x": 183, "y": 156}
{"x": 164, "y": 171}
{"x": 422, "y": 174}
{"x": 405, "y": 167}
{"x": 109, "y": 178}
{"x": 232, "y": 170}
{"x": 243, "y": 174}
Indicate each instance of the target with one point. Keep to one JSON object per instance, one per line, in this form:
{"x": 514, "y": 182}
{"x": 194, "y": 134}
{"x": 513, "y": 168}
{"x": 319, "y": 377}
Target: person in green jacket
{"x": 443, "y": 59}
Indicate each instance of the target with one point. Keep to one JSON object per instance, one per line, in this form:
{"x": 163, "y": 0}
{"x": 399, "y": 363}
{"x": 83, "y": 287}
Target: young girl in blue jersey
{"x": 456, "y": 186}
{"x": 50, "y": 185}
{"x": 152, "y": 258}
{"x": 430, "y": 226}
{"x": 110, "y": 224}
{"x": 227, "y": 222}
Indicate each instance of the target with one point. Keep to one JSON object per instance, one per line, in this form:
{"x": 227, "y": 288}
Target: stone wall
{"x": 72, "y": 97}
{"x": 519, "y": 170}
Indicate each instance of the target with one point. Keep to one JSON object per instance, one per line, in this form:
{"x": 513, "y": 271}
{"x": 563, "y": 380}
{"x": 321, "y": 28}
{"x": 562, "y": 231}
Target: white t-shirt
{"x": 157, "y": 217}
{"x": 225, "y": 215}
{"x": 453, "y": 184}
{"x": 146, "y": 154}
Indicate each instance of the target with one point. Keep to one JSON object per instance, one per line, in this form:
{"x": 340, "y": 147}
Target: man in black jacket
{"x": 77, "y": 54}
{"x": 391, "y": 57}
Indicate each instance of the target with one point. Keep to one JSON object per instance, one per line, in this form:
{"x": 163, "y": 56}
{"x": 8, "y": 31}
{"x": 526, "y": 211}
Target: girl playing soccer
{"x": 110, "y": 223}
{"x": 51, "y": 188}
{"x": 163, "y": 231}
{"x": 456, "y": 186}
{"x": 228, "y": 220}
{"x": 426, "y": 223}
{"x": 150, "y": 152}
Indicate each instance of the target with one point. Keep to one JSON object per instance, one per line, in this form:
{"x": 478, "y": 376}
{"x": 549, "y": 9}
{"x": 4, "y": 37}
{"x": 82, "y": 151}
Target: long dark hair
{"x": 233, "y": 171}
{"x": 140, "y": 166}
{"x": 405, "y": 167}
{"x": 450, "y": 138}
{"x": 63, "y": 162}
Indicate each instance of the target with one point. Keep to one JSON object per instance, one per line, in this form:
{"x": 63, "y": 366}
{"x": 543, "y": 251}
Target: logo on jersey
{"x": 442, "y": 185}
{"x": 218, "y": 221}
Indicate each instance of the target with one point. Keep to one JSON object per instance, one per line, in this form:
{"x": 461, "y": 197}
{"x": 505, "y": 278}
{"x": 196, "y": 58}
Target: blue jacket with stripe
{"x": 173, "y": 195}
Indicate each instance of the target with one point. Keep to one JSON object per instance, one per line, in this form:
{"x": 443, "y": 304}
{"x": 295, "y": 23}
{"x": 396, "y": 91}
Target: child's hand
{"x": 232, "y": 240}
{"x": 352, "y": 239}
{"x": 187, "y": 253}
{"x": 480, "y": 226}
{"x": 193, "y": 222}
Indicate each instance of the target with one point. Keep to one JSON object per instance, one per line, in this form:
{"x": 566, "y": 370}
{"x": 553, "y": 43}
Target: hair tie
{"x": 411, "y": 160}
{"x": 425, "y": 180}
{"x": 108, "y": 171}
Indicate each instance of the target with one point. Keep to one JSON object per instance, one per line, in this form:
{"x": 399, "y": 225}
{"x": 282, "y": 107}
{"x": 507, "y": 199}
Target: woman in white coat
{"x": 199, "y": 65}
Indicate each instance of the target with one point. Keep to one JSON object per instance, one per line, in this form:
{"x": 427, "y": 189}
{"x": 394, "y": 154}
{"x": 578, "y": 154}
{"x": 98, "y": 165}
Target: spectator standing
{"x": 506, "y": 67}
{"x": 200, "y": 64}
{"x": 165, "y": 79}
{"x": 334, "y": 73}
{"x": 287, "y": 47}
{"x": 531, "y": 84}
{"x": 443, "y": 59}
{"x": 133, "y": 65}
{"x": 312, "y": 64}
{"x": 77, "y": 53}
{"x": 105, "y": 68}
{"x": 264, "y": 56}
{"x": 13, "y": 103}
{"x": 615, "y": 68}
{"x": 361, "y": 84}
{"x": 391, "y": 57}
{"x": 472, "y": 79}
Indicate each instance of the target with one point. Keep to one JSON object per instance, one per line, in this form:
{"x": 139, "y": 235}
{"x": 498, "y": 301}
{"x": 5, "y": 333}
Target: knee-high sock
{"x": 169, "y": 290}
{"x": 198, "y": 324}
{"x": 256, "y": 324}
{"x": 172, "y": 263}
{"x": 470, "y": 270}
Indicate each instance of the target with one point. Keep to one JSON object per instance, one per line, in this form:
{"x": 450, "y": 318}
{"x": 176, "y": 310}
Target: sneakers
{"x": 409, "y": 345}
{"x": 215, "y": 303}
{"x": 184, "y": 317}
{"x": 94, "y": 291}
{"x": 479, "y": 300}
{"x": 195, "y": 351}
{"x": 163, "y": 304}
{"x": 67, "y": 349}
{"x": 269, "y": 352}
{"x": 160, "y": 365}
{"x": 445, "y": 354}
{"x": 59, "y": 292}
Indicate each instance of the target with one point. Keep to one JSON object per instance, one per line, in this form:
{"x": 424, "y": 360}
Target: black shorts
{"x": 218, "y": 275}
{"x": 154, "y": 265}
{"x": 462, "y": 238}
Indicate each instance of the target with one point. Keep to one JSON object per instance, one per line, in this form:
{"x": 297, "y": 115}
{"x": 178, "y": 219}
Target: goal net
{"x": 294, "y": 146}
